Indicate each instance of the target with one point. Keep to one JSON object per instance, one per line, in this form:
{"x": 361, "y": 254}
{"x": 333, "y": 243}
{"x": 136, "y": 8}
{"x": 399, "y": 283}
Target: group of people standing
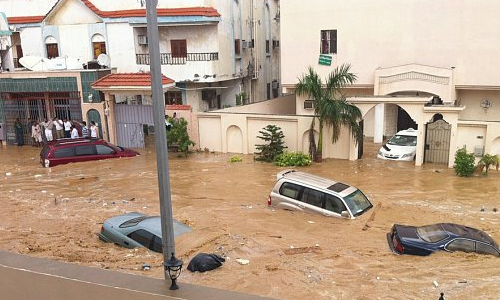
{"x": 49, "y": 130}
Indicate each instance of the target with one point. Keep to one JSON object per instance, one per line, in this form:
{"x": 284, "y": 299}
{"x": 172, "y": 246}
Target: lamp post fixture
{"x": 173, "y": 267}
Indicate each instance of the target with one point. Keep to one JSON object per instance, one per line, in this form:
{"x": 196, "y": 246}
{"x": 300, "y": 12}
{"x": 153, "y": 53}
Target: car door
{"x": 104, "y": 151}
{"x": 288, "y": 196}
{"x": 334, "y": 205}
{"x": 460, "y": 244}
{"x": 142, "y": 237}
{"x": 62, "y": 155}
{"x": 85, "y": 153}
{"x": 313, "y": 201}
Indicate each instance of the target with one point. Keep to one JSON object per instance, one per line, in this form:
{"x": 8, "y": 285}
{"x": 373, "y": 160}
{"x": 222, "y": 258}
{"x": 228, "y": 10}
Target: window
{"x": 104, "y": 150}
{"x": 64, "y": 152}
{"x": 173, "y": 97}
{"x": 132, "y": 222}
{"x": 328, "y": 41}
{"x": 143, "y": 237}
{"x": 85, "y": 150}
{"x": 179, "y": 48}
{"x": 51, "y": 47}
{"x": 237, "y": 47}
{"x": 482, "y": 248}
{"x": 99, "y": 48}
{"x": 312, "y": 197}
{"x": 290, "y": 190}
{"x": 52, "y": 51}
{"x": 334, "y": 204}
{"x": 461, "y": 245}
{"x": 157, "y": 246}
{"x": 432, "y": 233}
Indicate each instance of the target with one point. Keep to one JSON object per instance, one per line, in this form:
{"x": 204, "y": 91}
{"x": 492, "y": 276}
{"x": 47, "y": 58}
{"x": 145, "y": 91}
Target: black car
{"x": 450, "y": 237}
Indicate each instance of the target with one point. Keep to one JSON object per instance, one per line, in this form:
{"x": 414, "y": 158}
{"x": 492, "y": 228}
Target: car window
{"x": 334, "y": 204}
{"x": 290, "y": 190}
{"x": 432, "y": 233}
{"x": 45, "y": 151}
{"x": 104, "y": 150}
{"x": 64, "y": 152}
{"x": 132, "y": 222}
{"x": 357, "y": 202}
{"x": 461, "y": 245}
{"x": 403, "y": 140}
{"x": 84, "y": 150}
{"x": 157, "y": 246}
{"x": 483, "y": 248}
{"x": 143, "y": 237}
{"x": 312, "y": 197}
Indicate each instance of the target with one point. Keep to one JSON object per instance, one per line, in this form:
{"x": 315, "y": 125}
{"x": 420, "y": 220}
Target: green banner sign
{"x": 325, "y": 60}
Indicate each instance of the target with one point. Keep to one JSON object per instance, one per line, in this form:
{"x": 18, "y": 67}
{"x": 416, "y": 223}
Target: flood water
{"x": 57, "y": 212}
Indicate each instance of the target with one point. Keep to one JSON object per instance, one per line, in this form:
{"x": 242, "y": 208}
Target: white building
{"x": 404, "y": 54}
{"x": 220, "y": 53}
{"x": 228, "y": 47}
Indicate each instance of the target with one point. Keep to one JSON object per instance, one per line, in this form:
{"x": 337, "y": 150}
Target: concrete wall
{"x": 373, "y": 34}
{"x": 238, "y": 133}
{"x": 284, "y": 106}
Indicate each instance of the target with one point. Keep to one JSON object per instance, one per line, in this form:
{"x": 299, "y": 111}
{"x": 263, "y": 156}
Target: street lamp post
{"x": 172, "y": 265}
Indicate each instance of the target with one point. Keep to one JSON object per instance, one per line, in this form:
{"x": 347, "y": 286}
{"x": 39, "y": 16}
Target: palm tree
{"x": 486, "y": 161}
{"x": 330, "y": 105}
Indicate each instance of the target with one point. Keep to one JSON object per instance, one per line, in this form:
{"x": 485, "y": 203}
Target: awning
{"x": 4, "y": 25}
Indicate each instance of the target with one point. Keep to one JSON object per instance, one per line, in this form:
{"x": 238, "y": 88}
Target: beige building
{"x": 404, "y": 54}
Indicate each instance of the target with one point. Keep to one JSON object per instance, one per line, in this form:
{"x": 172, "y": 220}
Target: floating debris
{"x": 243, "y": 261}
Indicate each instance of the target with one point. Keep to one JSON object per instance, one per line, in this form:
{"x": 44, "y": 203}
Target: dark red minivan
{"x": 66, "y": 151}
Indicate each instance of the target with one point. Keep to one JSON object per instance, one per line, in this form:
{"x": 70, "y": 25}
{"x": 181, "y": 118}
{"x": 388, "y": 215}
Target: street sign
{"x": 325, "y": 60}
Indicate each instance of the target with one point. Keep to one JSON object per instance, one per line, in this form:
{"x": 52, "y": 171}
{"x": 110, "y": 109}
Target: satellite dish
{"x": 103, "y": 60}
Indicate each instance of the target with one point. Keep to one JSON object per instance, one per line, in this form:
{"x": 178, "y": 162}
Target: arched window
{"x": 52, "y": 47}
{"x": 98, "y": 45}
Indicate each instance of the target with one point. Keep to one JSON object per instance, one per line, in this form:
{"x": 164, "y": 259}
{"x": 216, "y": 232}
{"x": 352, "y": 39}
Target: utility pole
{"x": 167, "y": 222}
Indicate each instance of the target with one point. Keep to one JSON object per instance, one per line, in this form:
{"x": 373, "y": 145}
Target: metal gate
{"x": 129, "y": 124}
{"x": 437, "y": 142}
{"x": 39, "y": 106}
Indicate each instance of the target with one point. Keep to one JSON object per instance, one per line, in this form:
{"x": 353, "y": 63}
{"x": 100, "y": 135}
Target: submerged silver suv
{"x": 305, "y": 192}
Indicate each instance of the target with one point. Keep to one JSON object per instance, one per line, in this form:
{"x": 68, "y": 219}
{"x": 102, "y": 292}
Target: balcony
{"x": 168, "y": 59}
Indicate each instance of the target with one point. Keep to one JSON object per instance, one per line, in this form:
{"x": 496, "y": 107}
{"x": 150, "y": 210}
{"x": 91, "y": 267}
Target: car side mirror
{"x": 345, "y": 214}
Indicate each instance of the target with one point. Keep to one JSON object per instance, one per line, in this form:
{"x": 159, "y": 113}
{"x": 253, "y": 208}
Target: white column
{"x": 378, "y": 126}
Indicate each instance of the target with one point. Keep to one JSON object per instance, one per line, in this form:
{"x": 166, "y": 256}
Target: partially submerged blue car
{"x": 136, "y": 229}
{"x": 450, "y": 237}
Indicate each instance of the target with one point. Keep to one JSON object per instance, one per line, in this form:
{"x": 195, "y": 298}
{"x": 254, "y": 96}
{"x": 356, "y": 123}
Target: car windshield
{"x": 357, "y": 202}
{"x": 403, "y": 140}
{"x": 432, "y": 233}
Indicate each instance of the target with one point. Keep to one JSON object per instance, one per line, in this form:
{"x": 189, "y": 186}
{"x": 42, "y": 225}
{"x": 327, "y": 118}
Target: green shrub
{"x": 464, "y": 163}
{"x": 235, "y": 158}
{"x": 288, "y": 159}
{"x": 178, "y": 135}
{"x": 273, "y": 136}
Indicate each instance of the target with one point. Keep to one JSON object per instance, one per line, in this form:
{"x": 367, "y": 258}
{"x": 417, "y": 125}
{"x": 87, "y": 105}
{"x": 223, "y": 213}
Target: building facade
{"x": 405, "y": 54}
{"x": 219, "y": 53}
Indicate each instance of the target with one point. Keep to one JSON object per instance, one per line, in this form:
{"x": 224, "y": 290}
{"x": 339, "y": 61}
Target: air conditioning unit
{"x": 142, "y": 40}
{"x": 309, "y": 104}
{"x": 275, "y": 84}
{"x": 276, "y": 43}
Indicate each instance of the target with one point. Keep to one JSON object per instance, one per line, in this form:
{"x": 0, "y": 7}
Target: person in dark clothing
{"x": 19, "y": 132}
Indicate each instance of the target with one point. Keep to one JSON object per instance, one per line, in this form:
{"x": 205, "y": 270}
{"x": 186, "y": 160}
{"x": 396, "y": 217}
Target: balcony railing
{"x": 168, "y": 59}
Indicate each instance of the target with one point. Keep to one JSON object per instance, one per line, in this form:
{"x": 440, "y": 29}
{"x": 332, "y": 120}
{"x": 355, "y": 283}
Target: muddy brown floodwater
{"x": 57, "y": 212}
